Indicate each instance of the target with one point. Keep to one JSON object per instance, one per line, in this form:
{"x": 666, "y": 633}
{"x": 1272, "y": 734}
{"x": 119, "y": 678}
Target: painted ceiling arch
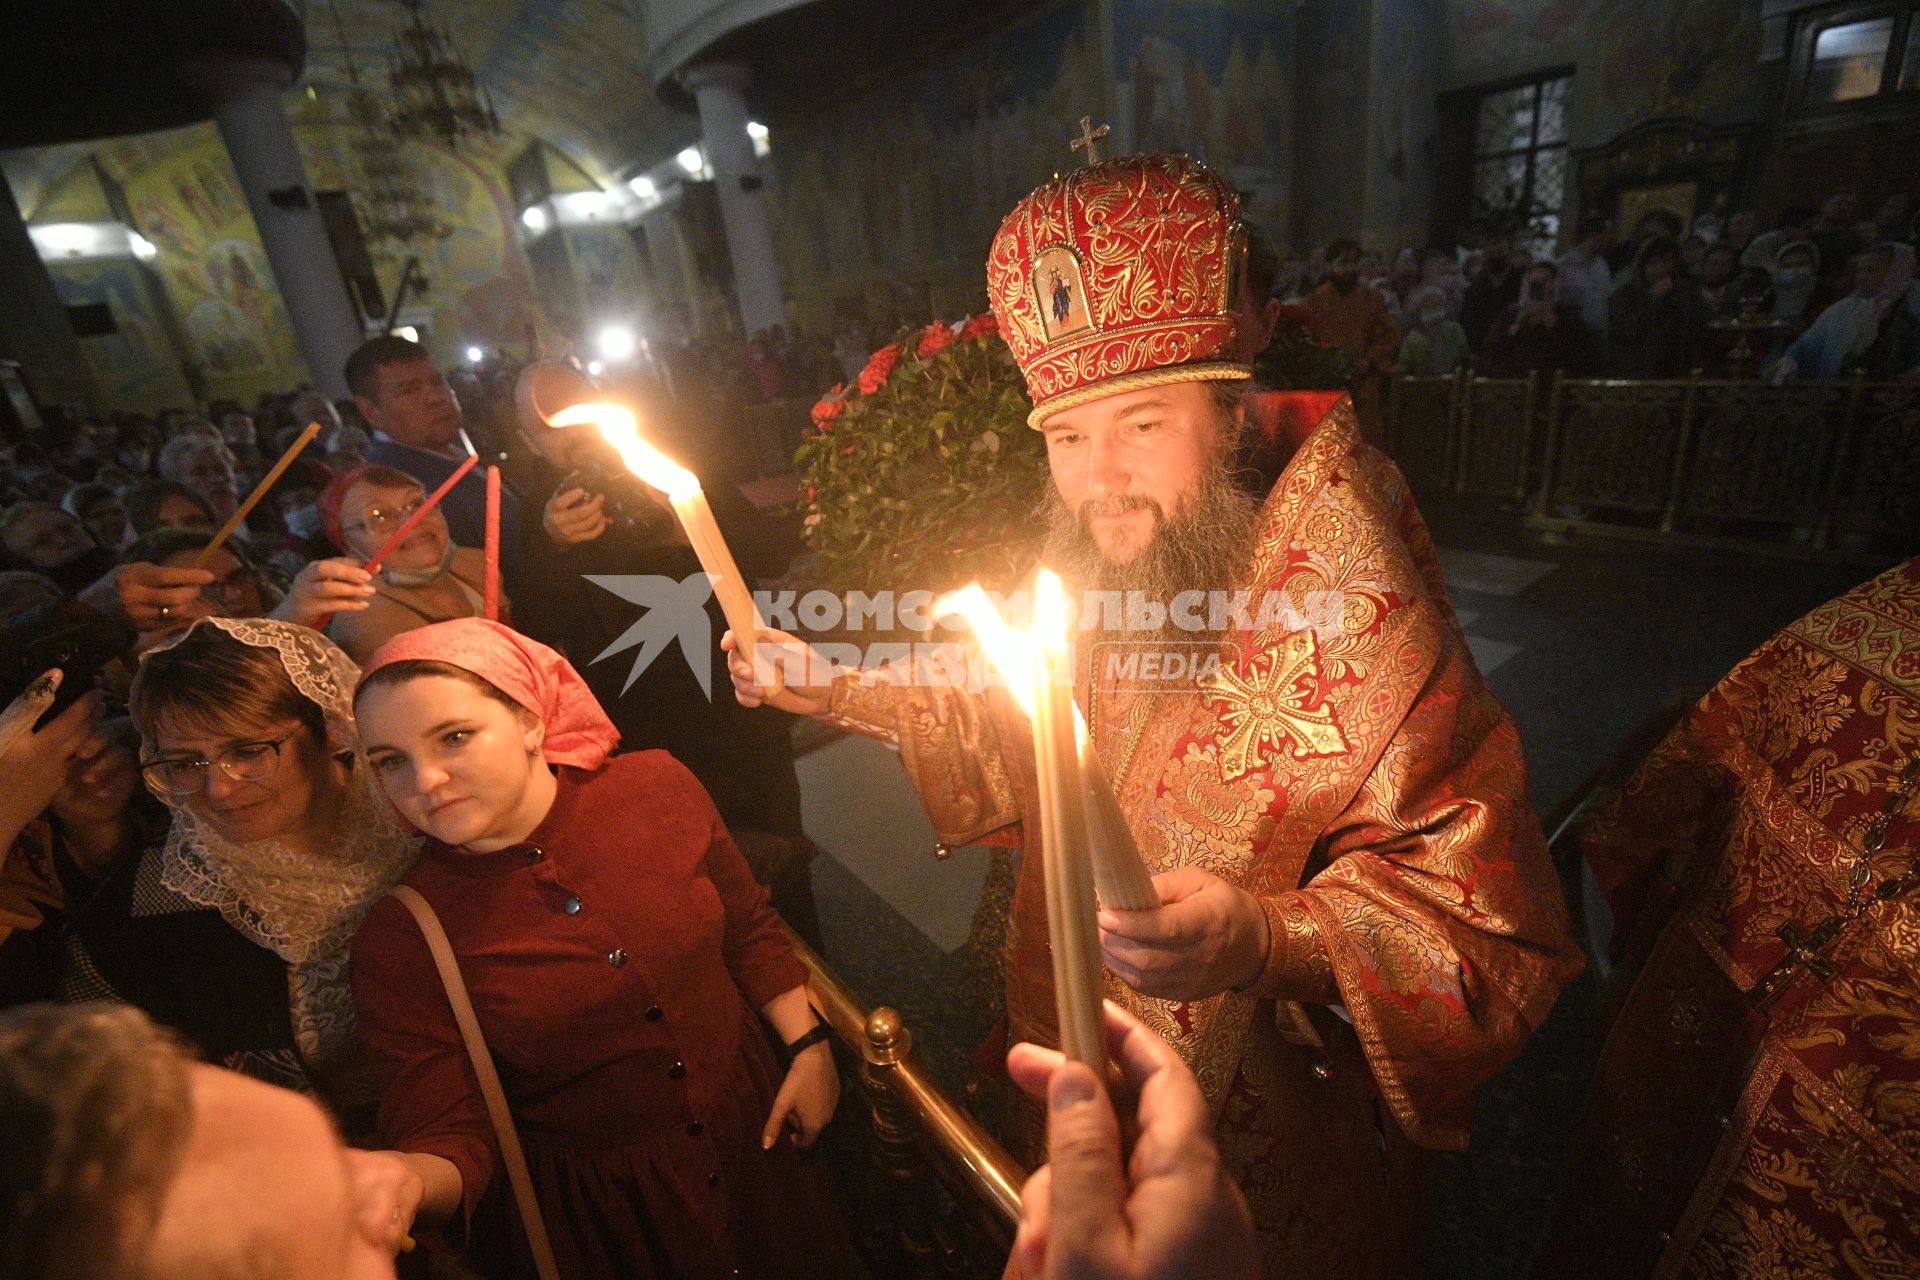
{"x": 570, "y": 73}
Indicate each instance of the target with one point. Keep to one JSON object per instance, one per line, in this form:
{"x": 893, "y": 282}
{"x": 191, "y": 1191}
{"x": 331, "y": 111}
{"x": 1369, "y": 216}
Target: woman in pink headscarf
{"x": 620, "y": 958}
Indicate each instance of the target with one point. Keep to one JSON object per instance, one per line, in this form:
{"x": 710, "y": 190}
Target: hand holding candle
{"x": 619, "y": 428}
{"x": 1119, "y": 874}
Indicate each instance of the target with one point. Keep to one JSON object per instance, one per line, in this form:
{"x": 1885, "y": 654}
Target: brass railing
{"x": 1810, "y": 468}
{"x": 917, "y": 1130}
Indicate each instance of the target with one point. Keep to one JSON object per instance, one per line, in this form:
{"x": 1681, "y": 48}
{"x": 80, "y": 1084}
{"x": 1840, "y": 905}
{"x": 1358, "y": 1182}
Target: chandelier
{"x": 435, "y": 93}
{"x": 393, "y": 206}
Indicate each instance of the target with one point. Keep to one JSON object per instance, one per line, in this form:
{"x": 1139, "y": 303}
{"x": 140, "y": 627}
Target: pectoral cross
{"x": 1089, "y": 136}
{"x": 1806, "y": 951}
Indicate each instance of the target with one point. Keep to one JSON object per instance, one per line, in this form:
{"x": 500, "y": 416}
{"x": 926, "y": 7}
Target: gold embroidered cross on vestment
{"x": 1808, "y": 949}
{"x": 1274, "y": 704}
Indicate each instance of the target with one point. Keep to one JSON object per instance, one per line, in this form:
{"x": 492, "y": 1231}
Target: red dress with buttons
{"x": 616, "y": 960}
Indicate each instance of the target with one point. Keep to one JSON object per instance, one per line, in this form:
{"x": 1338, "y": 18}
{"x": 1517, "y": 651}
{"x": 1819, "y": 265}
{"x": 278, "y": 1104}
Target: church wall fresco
{"x": 185, "y": 199}
{"x": 136, "y": 368}
{"x": 1403, "y": 84}
{"x": 1212, "y": 79}
{"x": 1634, "y": 60}
{"x": 987, "y": 122}
{"x": 888, "y": 199}
{"x": 181, "y": 194}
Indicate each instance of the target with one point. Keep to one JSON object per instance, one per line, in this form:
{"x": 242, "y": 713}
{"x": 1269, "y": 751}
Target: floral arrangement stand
{"x": 924, "y": 475}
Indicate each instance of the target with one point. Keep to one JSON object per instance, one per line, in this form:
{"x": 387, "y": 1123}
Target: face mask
{"x": 304, "y": 522}
{"x": 1793, "y": 277}
{"x": 422, "y": 577}
{"x": 1432, "y": 319}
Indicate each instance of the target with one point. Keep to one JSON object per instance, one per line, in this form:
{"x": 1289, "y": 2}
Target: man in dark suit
{"x": 416, "y": 429}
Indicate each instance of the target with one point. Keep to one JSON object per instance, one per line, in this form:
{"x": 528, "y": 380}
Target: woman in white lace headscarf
{"x": 235, "y": 929}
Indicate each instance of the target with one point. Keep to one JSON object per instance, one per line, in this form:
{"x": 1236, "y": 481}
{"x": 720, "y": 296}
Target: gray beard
{"x": 1203, "y": 547}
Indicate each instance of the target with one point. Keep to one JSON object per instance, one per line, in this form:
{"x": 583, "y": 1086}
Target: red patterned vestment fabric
{"x": 1717, "y": 1143}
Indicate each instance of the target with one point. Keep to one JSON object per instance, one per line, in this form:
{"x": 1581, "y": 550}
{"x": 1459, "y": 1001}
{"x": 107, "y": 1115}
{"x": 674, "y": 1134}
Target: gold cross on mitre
{"x": 1089, "y": 136}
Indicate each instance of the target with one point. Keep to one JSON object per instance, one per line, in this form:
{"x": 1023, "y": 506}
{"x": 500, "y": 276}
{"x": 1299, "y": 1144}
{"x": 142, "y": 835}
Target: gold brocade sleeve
{"x": 1436, "y": 912}
{"x": 949, "y": 743}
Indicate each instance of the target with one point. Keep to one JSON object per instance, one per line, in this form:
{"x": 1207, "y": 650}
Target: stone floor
{"x": 1583, "y": 640}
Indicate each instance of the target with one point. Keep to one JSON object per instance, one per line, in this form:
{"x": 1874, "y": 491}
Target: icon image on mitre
{"x": 1061, "y": 292}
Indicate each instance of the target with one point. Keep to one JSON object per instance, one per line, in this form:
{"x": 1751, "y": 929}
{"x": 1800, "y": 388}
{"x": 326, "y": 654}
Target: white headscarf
{"x": 300, "y": 908}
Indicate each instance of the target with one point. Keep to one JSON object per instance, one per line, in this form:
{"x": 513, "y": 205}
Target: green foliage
{"x": 930, "y": 478}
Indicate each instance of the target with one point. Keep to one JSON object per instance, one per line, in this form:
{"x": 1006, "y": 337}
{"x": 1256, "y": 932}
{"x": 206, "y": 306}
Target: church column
{"x": 33, "y": 321}
{"x": 245, "y": 92}
{"x": 719, "y": 89}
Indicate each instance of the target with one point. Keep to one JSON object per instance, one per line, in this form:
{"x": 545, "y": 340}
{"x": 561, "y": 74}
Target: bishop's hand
{"x": 1206, "y": 937}
{"x": 787, "y": 673}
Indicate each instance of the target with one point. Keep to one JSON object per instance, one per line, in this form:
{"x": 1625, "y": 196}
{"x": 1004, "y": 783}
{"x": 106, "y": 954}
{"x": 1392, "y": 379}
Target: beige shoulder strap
{"x": 483, "y": 1070}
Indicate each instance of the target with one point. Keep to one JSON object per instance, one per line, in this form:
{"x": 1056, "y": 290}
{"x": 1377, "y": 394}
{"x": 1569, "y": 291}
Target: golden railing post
{"x": 895, "y": 1152}
{"x": 921, "y": 1139}
{"x": 1682, "y": 450}
{"x": 1529, "y": 407}
{"x": 1466, "y": 436}
{"x": 1840, "y": 457}
{"x": 1396, "y": 404}
{"x": 1450, "y": 440}
{"x": 1543, "y": 500}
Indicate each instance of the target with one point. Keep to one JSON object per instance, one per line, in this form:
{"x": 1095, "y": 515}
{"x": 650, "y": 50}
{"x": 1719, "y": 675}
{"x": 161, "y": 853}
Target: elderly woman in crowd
{"x": 201, "y": 462}
{"x": 233, "y": 930}
{"x": 426, "y": 579}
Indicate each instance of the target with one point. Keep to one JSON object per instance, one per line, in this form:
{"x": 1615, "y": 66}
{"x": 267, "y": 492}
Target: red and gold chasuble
{"x": 1718, "y": 1141}
{"x": 1347, "y": 765}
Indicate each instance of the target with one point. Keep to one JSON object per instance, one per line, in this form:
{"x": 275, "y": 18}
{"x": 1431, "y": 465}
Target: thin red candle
{"x": 493, "y": 545}
{"x": 433, "y": 500}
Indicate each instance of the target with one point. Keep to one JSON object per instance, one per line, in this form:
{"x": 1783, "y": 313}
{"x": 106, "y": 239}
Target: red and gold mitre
{"x": 1121, "y": 275}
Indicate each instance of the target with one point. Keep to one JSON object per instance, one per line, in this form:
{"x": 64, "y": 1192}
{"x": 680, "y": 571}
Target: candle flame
{"x": 1015, "y": 654}
{"x": 1049, "y": 609}
{"x": 619, "y": 428}
{"x": 1011, "y": 652}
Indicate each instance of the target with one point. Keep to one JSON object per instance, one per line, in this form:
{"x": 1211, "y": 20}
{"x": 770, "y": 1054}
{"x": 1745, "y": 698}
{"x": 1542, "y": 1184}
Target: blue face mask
{"x": 420, "y": 577}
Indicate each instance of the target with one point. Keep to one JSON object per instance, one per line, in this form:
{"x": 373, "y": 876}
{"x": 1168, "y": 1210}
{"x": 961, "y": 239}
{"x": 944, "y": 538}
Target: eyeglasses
{"x": 243, "y": 762}
{"x": 378, "y": 520}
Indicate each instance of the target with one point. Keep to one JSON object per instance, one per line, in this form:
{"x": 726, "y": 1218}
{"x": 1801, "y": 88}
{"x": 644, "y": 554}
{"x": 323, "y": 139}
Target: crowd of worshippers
{"x": 1827, "y": 293}
{"x": 336, "y": 914}
{"x": 205, "y": 993}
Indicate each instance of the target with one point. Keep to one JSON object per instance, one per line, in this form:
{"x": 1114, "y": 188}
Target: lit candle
{"x": 1120, "y": 875}
{"x": 259, "y": 492}
{"x": 1071, "y": 925}
{"x": 1077, "y": 850}
{"x": 492, "y": 590}
{"x": 408, "y": 525}
{"x": 619, "y": 428}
